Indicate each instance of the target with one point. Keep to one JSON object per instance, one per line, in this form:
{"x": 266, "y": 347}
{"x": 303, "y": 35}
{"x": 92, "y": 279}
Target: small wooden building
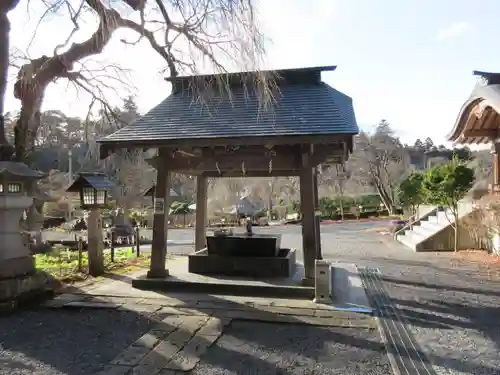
{"x": 478, "y": 121}
{"x": 226, "y": 125}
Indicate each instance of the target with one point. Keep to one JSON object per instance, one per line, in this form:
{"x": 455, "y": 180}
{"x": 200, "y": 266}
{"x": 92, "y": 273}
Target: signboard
{"x": 159, "y": 206}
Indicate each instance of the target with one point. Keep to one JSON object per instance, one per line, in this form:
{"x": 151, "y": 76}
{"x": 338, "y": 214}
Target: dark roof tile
{"x": 298, "y": 109}
{"x": 96, "y": 180}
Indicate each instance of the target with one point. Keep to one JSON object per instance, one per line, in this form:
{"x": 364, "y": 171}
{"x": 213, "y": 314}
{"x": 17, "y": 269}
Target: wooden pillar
{"x": 157, "y": 267}
{"x": 307, "y": 210}
{"x": 94, "y": 241}
{"x": 201, "y": 212}
{"x": 317, "y": 219}
{"x": 496, "y": 166}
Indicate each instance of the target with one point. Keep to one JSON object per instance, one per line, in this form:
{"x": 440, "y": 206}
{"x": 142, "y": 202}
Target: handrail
{"x": 426, "y": 215}
{"x": 410, "y": 224}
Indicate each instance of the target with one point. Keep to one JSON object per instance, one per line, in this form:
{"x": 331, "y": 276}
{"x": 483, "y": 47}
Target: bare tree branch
{"x": 194, "y": 35}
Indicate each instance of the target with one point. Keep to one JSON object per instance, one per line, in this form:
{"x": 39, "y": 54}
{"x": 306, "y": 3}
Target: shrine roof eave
{"x": 489, "y": 96}
{"x": 108, "y": 147}
{"x": 299, "y": 109}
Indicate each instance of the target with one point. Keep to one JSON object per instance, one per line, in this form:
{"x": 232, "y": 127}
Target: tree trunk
{"x": 455, "y": 229}
{"x": 5, "y": 6}
{"x": 340, "y": 184}
{"x": 384, "y": 196}
{"x": 341, "y": 207}
{"x": 4, "y": 61}
{"x": 27, "y": 126}
{"x": 34, "y": 77}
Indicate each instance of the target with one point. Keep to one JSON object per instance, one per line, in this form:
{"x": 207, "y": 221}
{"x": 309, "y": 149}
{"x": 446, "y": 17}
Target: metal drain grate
{"x": 371, "y": 270}
{"x": 404, "y": 353}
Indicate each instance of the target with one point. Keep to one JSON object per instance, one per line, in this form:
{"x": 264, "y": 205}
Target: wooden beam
{"x": 232, "y": 162}
{"x": 239, "y": 173}
{"x": 249, "y": 159}
{"x": 108, "y": 146}
{"x": 488, "y": 133}
{"x": 322, "y": 153}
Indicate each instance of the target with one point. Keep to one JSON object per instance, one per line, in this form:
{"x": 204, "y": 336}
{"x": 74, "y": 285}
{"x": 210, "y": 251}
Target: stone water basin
{"x": 243, "y": 245}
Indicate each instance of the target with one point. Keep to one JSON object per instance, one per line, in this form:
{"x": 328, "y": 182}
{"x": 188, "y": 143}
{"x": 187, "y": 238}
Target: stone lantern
{"x": 93, "y": 189}
{"x": 34, "y": 215}
{"x": 17, "y": 266}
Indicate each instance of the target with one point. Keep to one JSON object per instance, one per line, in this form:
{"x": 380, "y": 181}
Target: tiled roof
{"x": 299, "y": 109}
{"x": 98, "y": 181}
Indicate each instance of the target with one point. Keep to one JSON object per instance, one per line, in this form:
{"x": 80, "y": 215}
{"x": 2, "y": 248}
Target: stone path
{"x": 174, "y": 345}
{"x": 223, "y": 307}
{"x": 186, "y": 326}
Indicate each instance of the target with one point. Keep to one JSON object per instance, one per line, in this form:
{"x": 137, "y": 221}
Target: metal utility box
{"x": 322, "y": 282}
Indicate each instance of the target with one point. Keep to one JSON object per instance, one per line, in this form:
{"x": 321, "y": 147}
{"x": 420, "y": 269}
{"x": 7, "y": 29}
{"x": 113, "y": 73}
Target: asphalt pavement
{"x": 333, "y": 236}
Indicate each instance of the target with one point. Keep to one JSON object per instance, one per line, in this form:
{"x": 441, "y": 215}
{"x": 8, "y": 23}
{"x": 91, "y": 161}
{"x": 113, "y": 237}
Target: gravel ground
{"x": 260, "y": 348}
{"x": 452, "y": 310}
{"x": 61, "y": 342}
{"x": 453, "y": 313}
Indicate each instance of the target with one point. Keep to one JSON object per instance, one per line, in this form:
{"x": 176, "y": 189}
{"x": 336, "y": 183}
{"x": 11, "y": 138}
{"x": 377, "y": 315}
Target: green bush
{"x": 180, "y": 207}
{"x": 330, "y": 207}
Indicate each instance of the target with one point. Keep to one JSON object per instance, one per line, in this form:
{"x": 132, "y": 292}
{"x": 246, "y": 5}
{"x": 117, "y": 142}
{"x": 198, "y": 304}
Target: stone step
{"x": 444, "y": 217}
{"x": 433, "y": 227}
{"x": 424, "y": 230}
{"x": 407, "y": 241}
{"x": 432, "y": 219}
{"x": 416, "y": 237}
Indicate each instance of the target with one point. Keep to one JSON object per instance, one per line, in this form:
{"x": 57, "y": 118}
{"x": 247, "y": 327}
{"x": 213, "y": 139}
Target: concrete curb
{"x": 166, "y": 285}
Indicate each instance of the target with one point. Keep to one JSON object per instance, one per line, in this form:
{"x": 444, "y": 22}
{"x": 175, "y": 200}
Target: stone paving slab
{"x": 189, "y": 301}
{"x": 176, "y": 345}
{"x": 93, "y": 304}
{"x": 183, "y": 332}
{"x": 349, "y": 291}
{"x": 114, "y": 370}
{"x": 140, "y": 309}
{"x": 264, "y": 313}
{"x": 177, "y": 342}
{"x": 187, "y": 358}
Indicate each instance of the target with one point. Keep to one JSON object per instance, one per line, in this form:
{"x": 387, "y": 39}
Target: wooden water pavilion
{"x": 217, "y": 126}
{"x": 478, "y": 122}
